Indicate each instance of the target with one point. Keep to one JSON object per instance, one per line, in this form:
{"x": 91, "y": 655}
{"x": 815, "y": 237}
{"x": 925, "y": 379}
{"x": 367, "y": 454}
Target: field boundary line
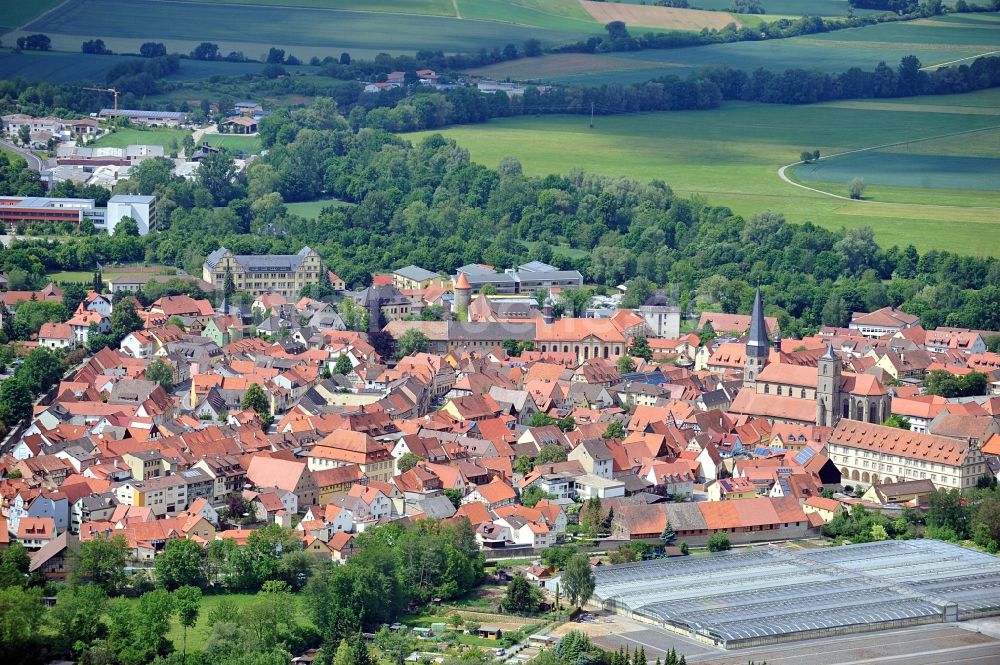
{"x": 781, "y": 171}
{"x": 952, "y": 62}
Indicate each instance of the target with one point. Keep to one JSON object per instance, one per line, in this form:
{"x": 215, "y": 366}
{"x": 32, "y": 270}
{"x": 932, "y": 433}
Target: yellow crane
{"x": 113, "y": 92}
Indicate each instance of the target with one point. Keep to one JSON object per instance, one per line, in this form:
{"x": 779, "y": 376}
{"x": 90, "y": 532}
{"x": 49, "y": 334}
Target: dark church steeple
{"x": 758, "y": 345}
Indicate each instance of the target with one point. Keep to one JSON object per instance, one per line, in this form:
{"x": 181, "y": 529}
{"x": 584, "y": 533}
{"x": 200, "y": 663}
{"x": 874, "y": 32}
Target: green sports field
{"x": 234, "y": 142}
{"x": 157, "y": 136}
{"x": 731, "y": 157}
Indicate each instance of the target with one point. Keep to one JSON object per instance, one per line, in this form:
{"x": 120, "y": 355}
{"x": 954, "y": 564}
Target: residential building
{"x": 343, "y": 447}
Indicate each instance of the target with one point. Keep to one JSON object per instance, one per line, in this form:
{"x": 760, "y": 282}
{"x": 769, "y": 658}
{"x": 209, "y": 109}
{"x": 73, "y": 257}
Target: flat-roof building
{"x": 526, "y": 278}
{"x": 20, "y": 209}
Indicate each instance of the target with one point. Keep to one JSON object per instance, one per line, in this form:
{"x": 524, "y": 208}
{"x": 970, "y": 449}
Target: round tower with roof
{"x": 463, "y": 293}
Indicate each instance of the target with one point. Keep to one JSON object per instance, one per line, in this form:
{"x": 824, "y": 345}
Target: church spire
{"x": 757, "y": 342}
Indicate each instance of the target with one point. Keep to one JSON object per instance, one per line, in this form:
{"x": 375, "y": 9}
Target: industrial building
{"x": 20, "y": 209}
{"x": 770, "y": 595}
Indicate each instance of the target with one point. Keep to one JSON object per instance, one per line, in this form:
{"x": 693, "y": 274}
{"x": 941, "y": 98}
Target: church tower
{"x": 758, "y": 345}
{"x": 828, "y": 388}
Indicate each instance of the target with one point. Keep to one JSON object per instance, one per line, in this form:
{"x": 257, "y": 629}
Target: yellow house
{"x": 826, "y": 509}
{"x": 414, "y": 278}
{"x": 728, "y": 489}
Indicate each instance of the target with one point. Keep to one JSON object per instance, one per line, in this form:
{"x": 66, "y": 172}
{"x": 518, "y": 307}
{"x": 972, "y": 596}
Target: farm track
{"x": 783, "y": 176}
{"x": 951, "y": 62}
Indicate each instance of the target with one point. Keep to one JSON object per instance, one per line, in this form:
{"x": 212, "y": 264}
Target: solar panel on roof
{"x": 804, "y": 456}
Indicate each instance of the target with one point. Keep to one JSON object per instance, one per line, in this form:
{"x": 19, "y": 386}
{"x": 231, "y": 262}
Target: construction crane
{"x": 113, "y": 92}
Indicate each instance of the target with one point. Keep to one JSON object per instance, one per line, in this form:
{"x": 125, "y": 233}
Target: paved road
{"x": 33, "y": 160}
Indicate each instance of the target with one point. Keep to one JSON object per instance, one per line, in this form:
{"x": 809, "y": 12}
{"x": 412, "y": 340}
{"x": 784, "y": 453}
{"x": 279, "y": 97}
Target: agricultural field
{"x": 427, "y": 7}
{"x": 731, "y": 157}
{"x": 943, "y": 40}
{"x": 124, "y": 24}
{"x": 15, "y": 13}
{"x": 565, "y": 15}
{"x": 134, "y": 136}
{"x": 662, "y": 18}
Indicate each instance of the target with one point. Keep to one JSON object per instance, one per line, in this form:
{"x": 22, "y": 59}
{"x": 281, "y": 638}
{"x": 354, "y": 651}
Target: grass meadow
{"x": 731, "y": 157}
{"x": 198, "y": 635}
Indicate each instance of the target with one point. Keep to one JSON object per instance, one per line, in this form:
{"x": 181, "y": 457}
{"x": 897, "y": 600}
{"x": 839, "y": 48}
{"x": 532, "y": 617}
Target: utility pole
{"x": 591, "y": 115}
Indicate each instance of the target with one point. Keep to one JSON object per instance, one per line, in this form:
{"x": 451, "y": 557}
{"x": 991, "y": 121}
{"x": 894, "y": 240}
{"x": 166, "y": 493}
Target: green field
{"x": 566, "y": 15}
{"x": 108, "y": 273}
{"x": 731, "y": 157}
{"x": 234, "y": 142}
{"x": 132, "y": 136}
{"x": 124, "y": 24}
{"x": 936, "y": 41}
{"x": 15, "y": 13}
{"x": 900, "y": 169}
{"x": 426, "y": 7}
{"x": 312, "y": 209}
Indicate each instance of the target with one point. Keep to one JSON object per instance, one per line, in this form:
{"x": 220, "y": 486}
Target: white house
{"x": 590, "y": 486}
{"x": 53, "y": 505}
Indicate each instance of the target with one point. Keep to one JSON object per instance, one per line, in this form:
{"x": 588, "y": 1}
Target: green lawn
{"x": 312, "y": 209}
{"x": 132, "y": 136}
{"x": 199, "y": 634}
{"x": 235, "y": 142}
{"x": 731, "y": 157}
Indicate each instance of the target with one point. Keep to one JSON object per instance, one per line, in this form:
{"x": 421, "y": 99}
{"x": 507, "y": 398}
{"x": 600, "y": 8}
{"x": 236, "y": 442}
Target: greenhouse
{"x": 770, "y": 594}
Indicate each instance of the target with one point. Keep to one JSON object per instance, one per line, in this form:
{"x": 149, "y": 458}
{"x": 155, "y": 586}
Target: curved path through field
{"x": 781, "y": 171}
